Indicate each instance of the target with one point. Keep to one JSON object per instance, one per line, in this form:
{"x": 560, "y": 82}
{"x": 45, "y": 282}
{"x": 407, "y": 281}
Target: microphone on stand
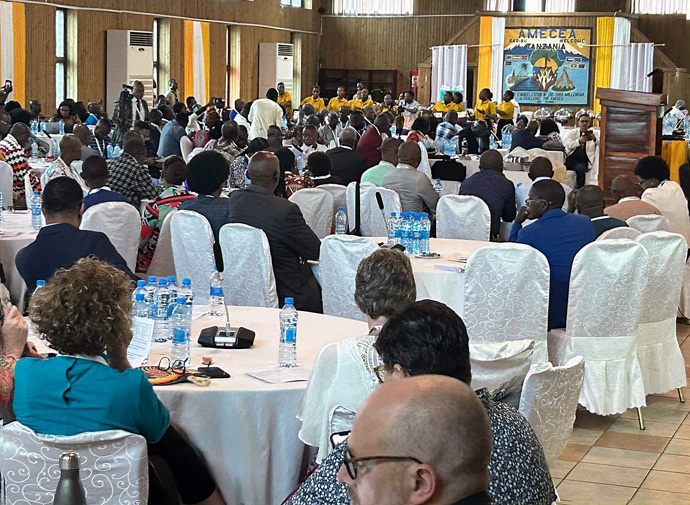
{"x": 379, "y": 201}
{"x": 650, "y": 74}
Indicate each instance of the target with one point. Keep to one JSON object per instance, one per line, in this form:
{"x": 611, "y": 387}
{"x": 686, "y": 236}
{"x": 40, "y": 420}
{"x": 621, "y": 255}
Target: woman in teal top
{"x": 85, "y": 315}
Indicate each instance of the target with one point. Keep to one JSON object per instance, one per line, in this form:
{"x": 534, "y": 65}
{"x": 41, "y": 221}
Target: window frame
{"x": 60, "y": 59}
{"x": 291, "y": 3}
{"x": 405, "y": 8}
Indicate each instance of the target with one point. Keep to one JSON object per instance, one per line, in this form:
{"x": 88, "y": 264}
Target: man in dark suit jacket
{"x": 129, "y": 108}
{"x": 61, "y": 243}
{"x": 291, "y": 240}
{"x": 527, "y": 138}
{"x": 348, "y": 164}
{"x": 371, "y": 141}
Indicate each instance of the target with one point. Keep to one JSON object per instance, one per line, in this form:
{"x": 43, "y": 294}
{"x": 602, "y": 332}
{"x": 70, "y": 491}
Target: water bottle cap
{"x": 340, "y": 208}
{"x": 139, "y": 297}
{"x": 69, "y": 461}
{"x": 438, "y": 180}
{"x": 35, "y": 193}
{"x": 171, "y": 278}
{"x": 141, "y": 283}
{"x": 289, "y": 301}
{"x": 162, "y": 281}
{"x": 152, "y": 279}
{"x": 181, "y": 299}
{"x": 186, "y": 282}
{"x": 40, "y": 284}
{"x": 392, "y": 214}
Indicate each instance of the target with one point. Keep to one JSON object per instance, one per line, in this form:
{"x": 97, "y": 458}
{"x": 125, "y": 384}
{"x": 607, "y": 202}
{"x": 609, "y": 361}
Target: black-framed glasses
{"x": 530, "y": 201}
{"x": 177, "y": 366}
{"x": 382, "y": 370}
{"x": 352, "y": 464}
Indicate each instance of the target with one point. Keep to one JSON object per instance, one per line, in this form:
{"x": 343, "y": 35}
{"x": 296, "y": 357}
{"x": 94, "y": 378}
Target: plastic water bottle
{"x": 140, "y": 289}
{"x": 426, "y": 233}
{"x": 450, "y": 147}
{"x": 465, "y": 147}
{"x": 54, "y": 150}
{"x": 182, "y": 330}
{"x": 43, "y": 127}
{"x": 392, "y": 229}
{"x": 340, "y": 222}
{"x": 216, "y": 300}
{"x": 417, "y": 233}
{"x": 186, "y": 292}
{"x": 34, "y": 126}
{"x": 405, "y": 230}
{"x": 141, "y": 308}
{"x": 117, "y": 150}
{"x": 159, "y": 312}
{"x": 34, "y": 149}
{"x": 69, "y": 488}
{"x": 110, "y": 149}
{"x": 493, "y": 143}
{"x": 173, "y": 289}
{"x": 300, "y": 163}
{"x": 36, "y": 218}
{"x": 287, "y": 353}
{"x": 61, "y": 127}
{"x": 399, "y": 228}
{"x": 507, "y": 141}
{"x": 150, "y": 290}
{"x": 438, "y": 187}
{"x": 440, "y": 144}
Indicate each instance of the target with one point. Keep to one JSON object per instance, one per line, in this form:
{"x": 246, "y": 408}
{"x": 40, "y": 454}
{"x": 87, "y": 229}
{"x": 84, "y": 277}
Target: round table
{"x": 245, "y": 428}
{"x": 15, "y": 234}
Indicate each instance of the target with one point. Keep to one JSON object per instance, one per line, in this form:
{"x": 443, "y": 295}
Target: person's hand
{"x": 521, "y": 215}
{"x": 571, "y": 200}
{"x": 14, "y": 333}
{"x": 152, "y": 162}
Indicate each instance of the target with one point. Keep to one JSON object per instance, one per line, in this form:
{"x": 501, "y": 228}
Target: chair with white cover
{"x": 507, "y": 296}
{"x": 374, "y": 220}
{"x": 337, "y": 191}
{"x": 28, "y": 189}
{"x": 549, "y": 402}
{"x": 648, "y": 223}
{"x": 248, "y": 279}
{"x": 661, "y": 361}
{"x": 463, "y": 217}
{"x": 121, "y": 222}
{"x": 163, "y": 263}
{"x": 619, "y": 233}
{"x": 604, "y": 300}
{"x": 350, "y": 194}
{"x": 186, "y": 146}
{"x": 339, "y": 258}
{"x": 495, "y": 363}
{"x": 316, "y": 205}
{"x": 6, "y": 176}
{"x": 113, "y": 466}
{"x": 192, "y": 245}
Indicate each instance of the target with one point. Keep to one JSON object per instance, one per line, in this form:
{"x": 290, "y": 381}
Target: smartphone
{"x": 214, "y": 372}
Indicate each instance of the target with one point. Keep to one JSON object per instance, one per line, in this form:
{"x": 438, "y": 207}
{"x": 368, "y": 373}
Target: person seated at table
{"x": 60, "y": 244}
{"x": 413, "y": 187}
{"x": 173, "y": 175}
{"x": 13, "y": 150}
{"x": 448, "y": 129}
{"x": 492, "y": 186}
{"x": 84, "y": 315}
{"x": 372, "y": 139}
{"x": 319, "y": 166}
{"x": 429, "y": 338}
{"x": 589, "y": 201}
{"x": 665, "y": 194}
{"x": 348, "y": 164}
{"x": 70, "y": 151}
{"x": 626, "y": 191}
{"x": 101, "y": 138}
{"x": 389, "y": 159}
{"x": 238, "y": 166}
{"x": 557, "y": 235}
{"x": 128, "y": 174}
{"x": 83, "y": 133}
{"x": 540, "y": 169}
{"x": 551, "y": 135}
{"x": 581, "y": 148}
{"x": 292, "y": 242}
{"x": 65, "y": 113}
{"x": 526, "y": 138}
{"x": 171, "y": 135}
{"x": 94, "y": 171}
{"x": 224, "y": 139}
{"x": 310, "y": 136}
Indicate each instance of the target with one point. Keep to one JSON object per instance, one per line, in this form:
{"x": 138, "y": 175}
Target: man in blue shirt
{"x": 557, "y": 235}
{"x": 589, "y": 201}
{"x": 95, "y": 172}
{"x": 172, "y": 133}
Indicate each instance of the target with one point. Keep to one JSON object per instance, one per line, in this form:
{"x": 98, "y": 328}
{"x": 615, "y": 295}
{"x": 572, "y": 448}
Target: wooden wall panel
{"x": 40, "y": 48}
{"x": 672, "y": 31}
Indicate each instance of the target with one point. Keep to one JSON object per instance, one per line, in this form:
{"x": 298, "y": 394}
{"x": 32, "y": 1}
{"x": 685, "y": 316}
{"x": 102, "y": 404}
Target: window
{"x": 532, "y": 5}
{"x": 372, "y": 7}
{"x": 291, "y": 3}
{"x": 160, "y": 86}
{"x": 661, "y": 7}
{"x": 60, "y": 55}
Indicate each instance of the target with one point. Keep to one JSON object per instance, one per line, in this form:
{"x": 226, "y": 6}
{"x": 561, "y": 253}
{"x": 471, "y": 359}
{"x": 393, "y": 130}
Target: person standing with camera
{"x": 130, "y": 108}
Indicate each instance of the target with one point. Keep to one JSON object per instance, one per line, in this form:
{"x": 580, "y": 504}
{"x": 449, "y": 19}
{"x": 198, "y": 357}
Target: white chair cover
{"x": 28, "y": 189}
{"x": 192, "y": 244}
{"x": 316, "y": 205}
{"x": 364, "y": 188}
{"x": 661, "y": 361}
{"x": 605, "y": 294}
{"x": 6, "y": 176}
{"x": 463, "y": 217}
{"x": 507, "y": 296}
{"x": 186, "y": 147}
{"x": 340, "y": 256}
{"x": 495, "y": 363}
{"x": 113, "y": 466}
{"x": 373, "y": 222}
{"x": 248, "y": 278}
{"x": 549, "y": 402}
{"x": 121, "y": 222}
{"x": 337, "y": 191}
{"x": 649, "y": 223}
{"x": 163, "y": 263}
{"x": 619, "y": 233}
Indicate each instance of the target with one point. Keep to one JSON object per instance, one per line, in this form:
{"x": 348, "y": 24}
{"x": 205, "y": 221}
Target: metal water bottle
{"x": 69, "y": 489}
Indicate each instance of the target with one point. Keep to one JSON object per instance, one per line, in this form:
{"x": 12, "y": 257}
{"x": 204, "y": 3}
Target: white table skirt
{"x": 15, "y": 234}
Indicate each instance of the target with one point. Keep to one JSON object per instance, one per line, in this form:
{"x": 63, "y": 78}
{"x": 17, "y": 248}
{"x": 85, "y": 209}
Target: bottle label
{"x": 291, "y": 335}
{"x": 179, "y": 335}
{"x": 216, "y": 291}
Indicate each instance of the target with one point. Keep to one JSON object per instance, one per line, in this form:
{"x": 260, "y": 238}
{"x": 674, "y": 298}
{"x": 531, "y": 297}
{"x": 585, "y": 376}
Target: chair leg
{"x": 639, "y": 418}
{"x": 680, "y": 395}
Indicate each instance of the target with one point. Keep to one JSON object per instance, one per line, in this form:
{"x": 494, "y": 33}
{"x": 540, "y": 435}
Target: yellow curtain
{"x": 188, "y": 32}
{"x": 602, "y": 72}
{"x": 206, "y": 42}
{"x": 484, "y": 63}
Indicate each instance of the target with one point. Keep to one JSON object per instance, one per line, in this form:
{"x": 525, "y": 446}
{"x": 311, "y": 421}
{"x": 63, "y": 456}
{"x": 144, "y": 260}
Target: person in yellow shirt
{"x": 361, "y": 101}
{"x": 446, "y": 105}
{"x": 336, "y": 102}
{"x": 387, "y": 106}
{"x": 505, "y": 111}
{"x": 485, "y": 109}
{"x": 285, "y": 100}
{"x": 315, "y": 100}
{"x": 457, "y": 102}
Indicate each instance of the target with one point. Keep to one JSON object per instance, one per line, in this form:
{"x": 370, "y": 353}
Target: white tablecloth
{"x": 15, "y": 234}
{"x": 247, "y": 429}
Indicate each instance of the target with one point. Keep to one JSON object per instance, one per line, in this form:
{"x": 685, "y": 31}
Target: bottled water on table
{"x": 43, "y": 127}
{"x": 426, "y": 233}
{"x": 140, "y": 308}
{"x": 507, "y": 141}
{"x": 398, "y": 228}
{"x": 186, "y": 292}
{"x": 416, "y": 233}
{"x": 300, "y": 163}
{"x": 61, "y": 127}
{"x": 406, "y": 230}
{"x": 340, "y": 222}
{"x": 493, "y": 143}
{"x": 34, "y": 126}
{"x": 159, "y": 312}
{"x": 54, "y": 150}
{"x": 34, "y": 149}
{"x": 173, "y": 289}
{"x": 110, "y": 150}
{"x": 216, "y": 300}
{"x": 440, "y": 144}
{"x": 451, "y": 147}
{"x": 36, "y": 218}
{"x": 438, "y": 187}
{"x": 392, "y": 229}
{"x": 182, "y": 330}
{"x": 150, "y": 290}
{"x": 287, "y": 353}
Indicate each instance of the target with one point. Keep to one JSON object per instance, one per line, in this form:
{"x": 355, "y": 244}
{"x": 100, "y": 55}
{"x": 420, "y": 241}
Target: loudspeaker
{"x": 239, "y": 338}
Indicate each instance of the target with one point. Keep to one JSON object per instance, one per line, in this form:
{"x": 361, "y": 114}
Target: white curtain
{"x": 6, "y": 42}
{"x": 448, "y": 69}
{"x": 498, "y": 30}
{"x": 354, "y": 7}
{"x": 619, "y": 53}
{"x": 661, "y": 6}
{"x": 641, "y": 62}
{"x": 559, "y": 6}
{"x": 497, "y": 5}
{"x": 199, "y": 64}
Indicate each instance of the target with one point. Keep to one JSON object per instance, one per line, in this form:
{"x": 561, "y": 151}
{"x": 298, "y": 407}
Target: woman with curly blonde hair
{"x": 84, "y": 314}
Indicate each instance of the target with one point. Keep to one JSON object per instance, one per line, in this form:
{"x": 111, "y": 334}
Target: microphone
{"x": 379, "y": 201}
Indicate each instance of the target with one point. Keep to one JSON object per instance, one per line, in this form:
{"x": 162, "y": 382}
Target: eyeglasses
{"x": 177, "y": 366}
{"x": 530, "y": 201}
{"x": 382, "y": 370}
{"x": 352, "y": 464}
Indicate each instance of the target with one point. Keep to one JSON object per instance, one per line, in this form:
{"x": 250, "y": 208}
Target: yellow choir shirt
{"x": 283, "y": 99}
{"x": 486, "y": 105}
{"x": 457, "y": 107}
{"x": 335, "y": 103}
{"x": 508, "y": 108}
{"x": 357, "y": 104}
{"x": 318, "y": 103}
{"x": 442, "y": 107}
{"x": 385, "y": 108}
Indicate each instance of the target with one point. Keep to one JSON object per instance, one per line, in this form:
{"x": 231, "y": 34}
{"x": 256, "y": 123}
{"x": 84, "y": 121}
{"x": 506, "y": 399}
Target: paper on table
{"x": 282, "y": 375}
{"x": 459, "y": 270}
{"x": 138, "y": 350}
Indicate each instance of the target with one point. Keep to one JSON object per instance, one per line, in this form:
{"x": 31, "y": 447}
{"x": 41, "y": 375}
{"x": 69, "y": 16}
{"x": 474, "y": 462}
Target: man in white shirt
{"x": 265, "y": 112}
{"x": 582, "y": 151}
{"x": 539, "y": 169}
{"x": 410, "y": 109}
{"x": 309, "y": 136}
{"x": 329, "y": 131}
{"x": 70, "y": 151}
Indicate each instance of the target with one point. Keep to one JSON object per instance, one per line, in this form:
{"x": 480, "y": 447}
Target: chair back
{"x": 649, "y": 223}
{"x": 163, "y": 263}
{"x": 340, "y": 256}
{"x": 337, "y": 191}
{"x": 316, "y": 205}
{"x": 549, "y": 402}
{"x": 113, "y": 466}
{"x": 621, "y": 232}
{"x": 374, "y": 221}
{"x": 28, "y": 189}
{"x": 6, "y": 175}
{"x": 186, "y": 146}
{"x": 660, "y": 357}
{"x": 248, "y": 274}
{"x": 364, "y": 188}
{"x": 192, "y": 245}
{"x": 507, "y": 296}
{"x": 463, "y": 217}
{"x": 495, "y": 363}
{"x": 121, "y": 222}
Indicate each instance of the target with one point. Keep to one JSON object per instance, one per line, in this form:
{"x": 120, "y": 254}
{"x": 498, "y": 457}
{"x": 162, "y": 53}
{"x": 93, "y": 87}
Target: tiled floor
{"x": 609, "y": 460}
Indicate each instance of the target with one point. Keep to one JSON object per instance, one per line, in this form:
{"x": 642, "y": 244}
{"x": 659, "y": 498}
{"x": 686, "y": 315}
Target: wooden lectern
{"x": 630, "y": 130}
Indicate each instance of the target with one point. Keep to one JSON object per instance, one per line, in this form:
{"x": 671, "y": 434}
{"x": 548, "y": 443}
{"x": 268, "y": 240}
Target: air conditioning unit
{"x": 275, "y": 65}
{"x": 129, "y": 58}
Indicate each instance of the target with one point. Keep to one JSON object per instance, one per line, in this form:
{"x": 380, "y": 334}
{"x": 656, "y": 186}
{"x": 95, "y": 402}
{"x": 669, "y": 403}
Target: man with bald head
{"x": 129, "y": 108}
{"x": 540, "y": 169}
{"x": 70, "y": 151}
{"x": 348, "y": 164}
{"x": 128, "y": 174}
{"x": 291, "y": 240}
{"x": 13, "y": 150}
{"x": 494, "y": 188}
{"x": 227, "y": 143}
{"x": 389, "y": 159}
{"x": 83, "y": 133}
{"x": 414, "y": 188}
{"x": 372, "y": 139}
{"x": 627, "y": 192}
{"x": 557, "y": 235}
{"x": 589, "y": 201}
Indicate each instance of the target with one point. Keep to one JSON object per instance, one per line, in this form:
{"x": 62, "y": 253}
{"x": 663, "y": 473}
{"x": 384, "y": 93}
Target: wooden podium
{"x": 630, "y": 130}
